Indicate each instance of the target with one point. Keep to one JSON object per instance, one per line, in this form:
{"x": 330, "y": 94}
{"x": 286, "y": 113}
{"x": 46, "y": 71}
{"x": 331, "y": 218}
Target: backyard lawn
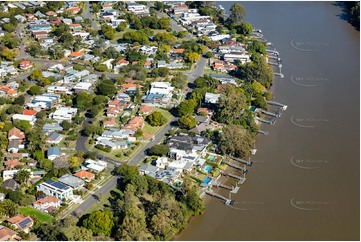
{"x": 32, "y": 212}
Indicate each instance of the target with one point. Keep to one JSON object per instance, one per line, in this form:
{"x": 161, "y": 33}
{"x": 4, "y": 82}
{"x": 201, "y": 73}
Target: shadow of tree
{"x": 346, "y": 15}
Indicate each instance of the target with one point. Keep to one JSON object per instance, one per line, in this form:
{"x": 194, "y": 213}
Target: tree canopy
{"x": 156, "y": 119}
{"x": 99, "y": 222}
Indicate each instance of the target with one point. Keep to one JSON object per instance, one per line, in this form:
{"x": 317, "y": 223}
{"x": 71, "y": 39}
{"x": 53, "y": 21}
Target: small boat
{"x": 253, "y": 151}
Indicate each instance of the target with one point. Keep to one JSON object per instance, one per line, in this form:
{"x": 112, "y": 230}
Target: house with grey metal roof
{"x": 47, "y": 128}
{"x": 52, "y": 153}
{"x": 71, "y": 181}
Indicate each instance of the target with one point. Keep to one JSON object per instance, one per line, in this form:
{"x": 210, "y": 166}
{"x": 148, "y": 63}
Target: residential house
{"x": 113, "y": 145}
{"x": 16, "y": 140}
{"x": 121, "y": 63}
{"x": 117, "y": 134}
{"x": 138, "y": 9}
{"x": 21, "y": 222}
{"x": 135, "y": 123}
{"x": 52, "y": 153}
{"x": 212, "y": 98}
{"x": 47, "y": 204}
{"x": 29, "y": 112}
{"x": 54, "y": 138}
{"x": 52, "y": 127}
{"x": 122, "y": 97}
{"x": 76, "y": 55}
{"x": 108, "y": 63}
{"x": 95, "y": 166}
{"x": 85, "y": 175}
{"x": 149, "y": 170}
{"x": 30, "y": 118}
{"x": 11, "y": 164}
{"x": 7, "y": 91}
{"x": 145, "y": 110}
{"x": 82, "y": 87}
{"x": 64, "y": 113}
{"x": 7, "y": 234}
{"x": 109, "y": 123}
{"x": 56, "y": 189}
{"x": 72, "y": 181}
{"x": 11, "y": 184}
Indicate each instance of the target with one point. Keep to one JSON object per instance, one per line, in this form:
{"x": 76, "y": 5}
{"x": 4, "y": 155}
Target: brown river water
{"x": 304, "y": 183}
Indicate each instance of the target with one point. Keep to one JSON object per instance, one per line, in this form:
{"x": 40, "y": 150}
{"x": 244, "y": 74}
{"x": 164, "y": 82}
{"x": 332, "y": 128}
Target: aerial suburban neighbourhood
{"x": 119, "y": 119}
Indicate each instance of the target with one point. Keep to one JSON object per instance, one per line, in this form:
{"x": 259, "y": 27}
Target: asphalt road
{"x": 174, "y": 25}
{"x": 89, "y": 15}
{"x": 199, "y": 70}
{"x": 22, "y": 54}
{"x": 157, "y": 139}
{"x": 106, "y": 188}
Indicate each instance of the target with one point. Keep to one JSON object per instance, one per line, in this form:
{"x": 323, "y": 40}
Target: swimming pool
{"x": 207, "y": 168}
{"x": 211, "y": 157}
{"x": 206, "y": 180}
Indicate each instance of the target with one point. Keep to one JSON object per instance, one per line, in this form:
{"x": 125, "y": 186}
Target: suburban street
{"x": 174, "y": 25}
{"x": 89, "y": 15}
{"x": 106, "y": 188}
{"x": 22, "y": 53}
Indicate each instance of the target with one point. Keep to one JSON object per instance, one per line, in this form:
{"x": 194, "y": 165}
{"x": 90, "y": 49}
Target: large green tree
{"x": 106, "y": 88}
{"x": 231, "y": 104}
{"x": 237, "y": 14}
{"x": 187, "y": 122}
{"x": 235, "y": 141}
{"x": 159, "y": 150}
{"x": 156, "y": 119}
{"x": 100, "y": 222}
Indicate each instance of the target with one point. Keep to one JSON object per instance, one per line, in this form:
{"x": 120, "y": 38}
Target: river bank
{"x": 326, "y": 152}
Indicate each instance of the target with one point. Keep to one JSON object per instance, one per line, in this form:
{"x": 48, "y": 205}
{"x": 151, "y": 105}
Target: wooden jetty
{"x": 263, "y": 132}
{"x": 272, "y": 122}
{"x": 275, "y": 52}
{"x": 283, "y": 106}
{"x": 226, "y": 200}
{"x": 240, "y": 179}
{"x": 247, "y": 162}
{"x": 275, "y": 115}
{"x": 218, "y": 184}
{"x": 244, "y": 170}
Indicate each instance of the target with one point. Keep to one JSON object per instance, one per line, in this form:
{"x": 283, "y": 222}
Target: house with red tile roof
{"x": 11, "y": 164}
{"x": 56, "y": 22}
{"x": 7, "y": 90}
{"x": 109, "y": 123}
{"x": 24, "y": 65}
{"x": 148, "y": 64}
{"x": 51, "y": 13}
{"x": 76, "y": 55}
{"x": 7, "y": 234}
{"x": 135, "y": 123}
{"x": 16, "y": 134}
{"x": 85, "y": 175}
{"x": 205, "y": 111}
{"x": 21, "y": 222}
{"x": 74, "y": 10}
{"x": 145, "y": 109}
{"x": 47, "y": 204}
{"x": 178, "y": 51}
{"x": 121, "y": 63}
{"x": 29, "y": 112}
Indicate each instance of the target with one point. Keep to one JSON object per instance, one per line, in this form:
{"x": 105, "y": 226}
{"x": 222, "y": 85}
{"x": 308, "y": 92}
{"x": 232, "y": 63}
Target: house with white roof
{"x": 64, "y": 113}
{"x": 211, "y": 98}
{"x": 56, "y": 189}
